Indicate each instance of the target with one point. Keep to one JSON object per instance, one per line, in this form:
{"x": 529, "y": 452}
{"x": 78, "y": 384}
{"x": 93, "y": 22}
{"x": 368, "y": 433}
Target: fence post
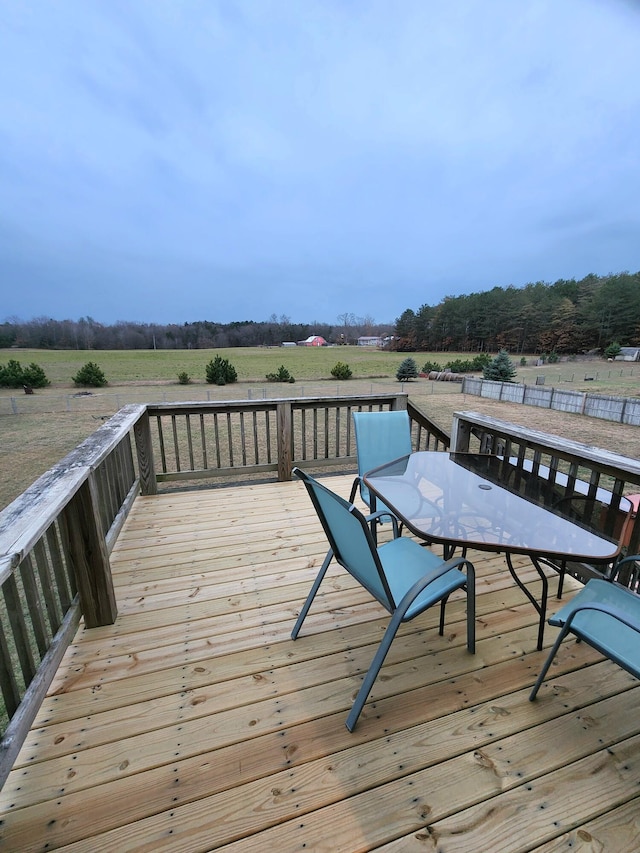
{"x": 144, "y": 447}
{"x": 284, "y": 422}
{"x": 81, "y": 528}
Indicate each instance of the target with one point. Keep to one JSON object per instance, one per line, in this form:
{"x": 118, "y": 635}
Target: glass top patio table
{"x": 487, "y": 502}
{"x": 492, "y": 504}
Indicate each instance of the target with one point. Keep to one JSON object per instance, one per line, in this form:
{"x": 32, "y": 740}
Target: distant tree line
{"x": 567, "y": 316}
{"x": 89, "y": 334}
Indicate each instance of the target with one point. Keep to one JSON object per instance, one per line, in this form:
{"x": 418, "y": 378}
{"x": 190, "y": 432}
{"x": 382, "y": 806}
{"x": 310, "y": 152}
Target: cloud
{"x": 269, "y": 157}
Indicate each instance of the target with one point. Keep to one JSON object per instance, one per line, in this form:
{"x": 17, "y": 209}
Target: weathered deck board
{"x": 195, "y": 723}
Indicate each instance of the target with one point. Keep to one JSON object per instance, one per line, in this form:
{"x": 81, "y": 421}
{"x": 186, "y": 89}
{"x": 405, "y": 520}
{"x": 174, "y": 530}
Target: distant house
{"x": 628, "y": 354}
{"x": 289, "y": 344}
{"x": 313, "y": 341}
{"x": 369, "y": 341}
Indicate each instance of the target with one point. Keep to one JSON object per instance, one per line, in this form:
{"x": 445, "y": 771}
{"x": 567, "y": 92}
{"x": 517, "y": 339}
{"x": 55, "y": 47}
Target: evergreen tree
{"x": 612, "y": 350}
{"x": 407, "y": 370}
{"x": 220, "y": 371}
{"x": 90, "y": 374}
{"x": 501, "y": 368}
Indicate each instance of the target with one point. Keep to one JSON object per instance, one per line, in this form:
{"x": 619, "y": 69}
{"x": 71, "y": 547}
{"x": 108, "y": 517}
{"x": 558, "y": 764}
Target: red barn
{"x": 314, "y": 341}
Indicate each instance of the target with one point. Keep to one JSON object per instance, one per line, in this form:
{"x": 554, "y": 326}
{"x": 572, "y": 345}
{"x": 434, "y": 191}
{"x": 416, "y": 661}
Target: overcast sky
{"x": 176, "y": 160}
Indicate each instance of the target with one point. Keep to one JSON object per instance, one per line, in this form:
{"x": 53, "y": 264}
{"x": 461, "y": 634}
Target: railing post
{"x": 284, "y": 420}
{"x": 87, "y": 549}
{"x": 460, "y": 435}
{"x": 144, "y": 447}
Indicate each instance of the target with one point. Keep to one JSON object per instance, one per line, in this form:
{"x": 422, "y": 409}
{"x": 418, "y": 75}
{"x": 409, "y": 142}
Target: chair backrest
{"x": 380, "y": 437}
{"x": 350, "y": 539}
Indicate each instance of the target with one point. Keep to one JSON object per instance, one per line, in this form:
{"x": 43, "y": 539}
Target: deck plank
{"x": 195, "y": 722}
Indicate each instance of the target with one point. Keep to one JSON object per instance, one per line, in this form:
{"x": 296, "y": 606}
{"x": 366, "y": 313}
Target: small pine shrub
{"x": 90, "y": 375}
{"x": 429, "y": 366}
{"x": 459, "y": 365}
{"x": 13, "y": 375}
{"x": 523, "y": 362}
{"x": 341, "y": 371}
{"x": 407, "y": 370}
{"x": 220, "y": 371}
{"x": 35, "y": 377}
{"x": 501, "y": 368}
{"x": 184, "y": 378}
{"x": 281, "y": 375}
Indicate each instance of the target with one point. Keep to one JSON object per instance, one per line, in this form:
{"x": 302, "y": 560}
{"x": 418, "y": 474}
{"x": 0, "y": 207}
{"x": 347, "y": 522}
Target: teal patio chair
{"x": 404, "y": 577}
{"x": 380, "y": 437}
{"x": 605, "y": 615}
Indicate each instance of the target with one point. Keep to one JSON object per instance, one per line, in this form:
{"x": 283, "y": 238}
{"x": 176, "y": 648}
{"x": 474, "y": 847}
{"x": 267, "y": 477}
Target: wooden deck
{"x": 195, "y": 723}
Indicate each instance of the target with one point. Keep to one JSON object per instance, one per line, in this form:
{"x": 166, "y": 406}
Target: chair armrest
{"x": 609, "y": 610}
{"x": 387, "y": 514}
{"x": 615, "y": 568}
{"x": 433, "y": 575}
{"x": 354, "y": 489}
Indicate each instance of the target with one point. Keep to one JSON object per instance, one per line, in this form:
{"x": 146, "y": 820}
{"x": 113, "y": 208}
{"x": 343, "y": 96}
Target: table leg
{"x": 541, "y": 606}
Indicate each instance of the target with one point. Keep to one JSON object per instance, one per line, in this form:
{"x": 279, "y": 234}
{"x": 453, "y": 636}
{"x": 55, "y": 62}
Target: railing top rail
{"x": 271, "y": 402}
{"x": 25, "y": 519}
{"x": 416, "y": 413}
{"x": 8, "y": 562}
{"x": 603, "y": 460}
{"x": 28, "y": 516}
{"x": 349, "y": 400}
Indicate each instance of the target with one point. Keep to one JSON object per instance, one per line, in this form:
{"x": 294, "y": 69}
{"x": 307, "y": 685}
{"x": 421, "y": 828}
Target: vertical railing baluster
{"x": 326, "y": 432}
{"x": 37, "y": 627}
{"x": 163, "y": 455}
{"x": 216, "y": 430}
{"x": 203, "y": 442}
{"x": 254, "y": 420}
{"x": 267, "y": 418}
{"x": 65, "y": 595}
{"x": 192, "y": 466}
{"x": 243, "y": 440}
{"x": 11, "y": 692}
{"x": 230, "y": 439}
{"x": 303, "y": 433}
{"x": 47, "y": 586}
{"x": 176, "y": 446}
{"x": 19, "y": 630}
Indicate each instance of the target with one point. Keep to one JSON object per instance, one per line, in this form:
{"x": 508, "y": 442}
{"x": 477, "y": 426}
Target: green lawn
{"x": 251, "y": 363}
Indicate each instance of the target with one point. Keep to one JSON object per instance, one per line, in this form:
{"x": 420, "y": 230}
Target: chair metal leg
{"x": 312, "y": 594}
{"x": 389, "y": 634}
{"x": 563, "y": 633}
{"x": 470, "y": 589}
{"x": 374, "y": 669}
{"x": 443, "y": 606}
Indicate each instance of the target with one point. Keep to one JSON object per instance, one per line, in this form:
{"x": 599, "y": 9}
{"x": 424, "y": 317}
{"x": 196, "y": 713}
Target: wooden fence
{"x": 623, "y": 410}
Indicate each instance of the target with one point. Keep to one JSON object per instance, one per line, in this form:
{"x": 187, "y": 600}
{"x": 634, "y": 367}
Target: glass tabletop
{"x": 492, "y": 503}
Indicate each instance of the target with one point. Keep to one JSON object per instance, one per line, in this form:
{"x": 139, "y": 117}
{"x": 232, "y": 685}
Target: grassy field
{"x": 251, "y": 363}
{"x": 52, "y": 422}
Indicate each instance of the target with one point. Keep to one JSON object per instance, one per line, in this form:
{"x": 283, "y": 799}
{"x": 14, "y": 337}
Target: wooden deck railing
{"x": 573, "y": 468}
{"x": 190, "y": 441}
{"x": 55, "y": 539}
